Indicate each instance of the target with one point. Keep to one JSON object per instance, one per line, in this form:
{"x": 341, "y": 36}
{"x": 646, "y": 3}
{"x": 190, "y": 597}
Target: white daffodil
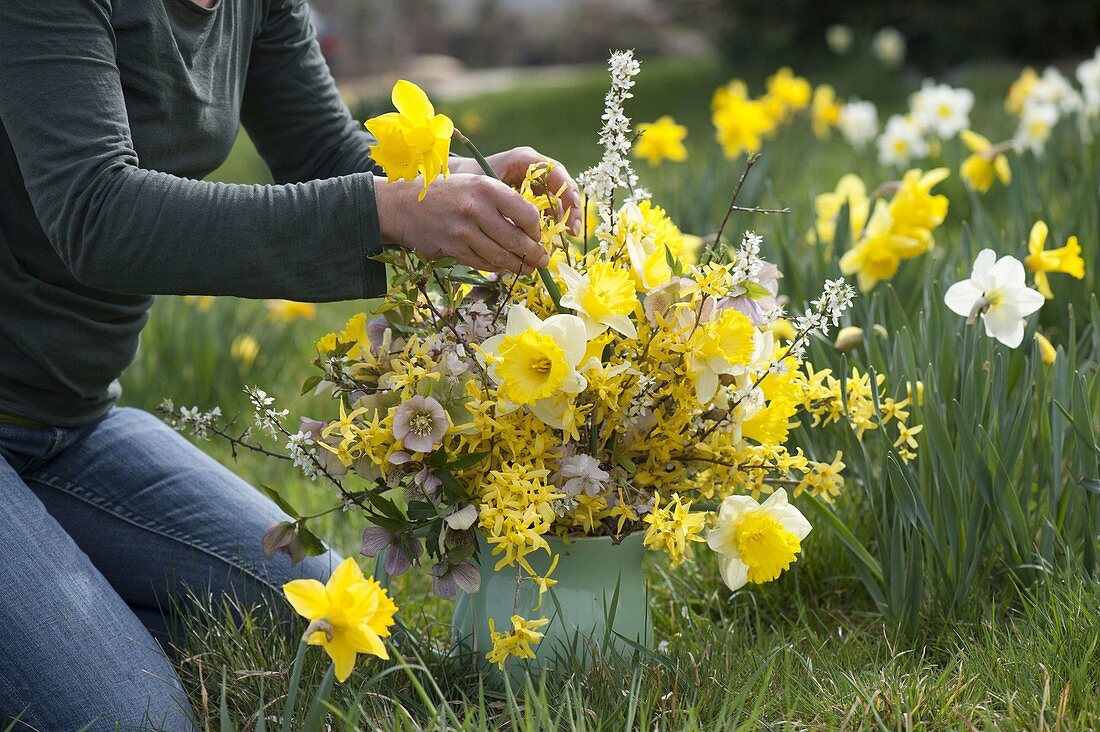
{"x": 534, "y": 363}
{"x": 1036, "y": 124}
{"x": 757, "y": 541}
{"x": 901, "y": 142}
{"x": 997, "y": 292}
{"x": 942, "y": 110}
{"x": 858, "y": 122}
{"x": 1055, "y": 89}
{"x": 1088, "y": 74}
{"x": 604, "y": 297}
{"x": 889, "y": 46}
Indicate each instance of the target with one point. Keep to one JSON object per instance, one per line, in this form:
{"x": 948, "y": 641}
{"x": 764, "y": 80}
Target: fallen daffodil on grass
{"x": 349, "y": 615}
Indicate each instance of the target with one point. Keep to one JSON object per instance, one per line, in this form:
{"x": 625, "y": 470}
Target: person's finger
{"x": 513, "y": 241}
{"x": 514, "y": 206}
{"x": 472, "y": 258}
{"x": 496, "y": 257}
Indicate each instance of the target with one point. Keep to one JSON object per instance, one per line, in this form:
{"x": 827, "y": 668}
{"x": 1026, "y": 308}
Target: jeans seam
{"x": 78, "y": 491}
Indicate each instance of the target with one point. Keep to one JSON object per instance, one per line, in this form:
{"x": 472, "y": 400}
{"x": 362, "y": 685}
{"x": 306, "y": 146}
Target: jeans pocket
{"x": 20, "y": 445}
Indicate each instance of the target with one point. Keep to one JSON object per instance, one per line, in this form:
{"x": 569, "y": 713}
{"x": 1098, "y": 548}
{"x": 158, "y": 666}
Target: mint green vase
{"x": 600, "y": 598}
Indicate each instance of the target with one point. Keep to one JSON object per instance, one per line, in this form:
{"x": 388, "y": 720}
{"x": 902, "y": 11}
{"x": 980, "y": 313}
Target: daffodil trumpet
{"x": 544, "y": 274}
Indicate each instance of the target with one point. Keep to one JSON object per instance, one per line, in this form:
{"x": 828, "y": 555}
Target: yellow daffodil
{"x": 1020, "y": 91}
{"x": 203, "y": 302}
{"x": 771, "y": 424}
{"x": 1065, "y": 259}
{"x": 534, "y": 362}
{"x": 326, "y": 344}
{"x": 985, "y": 163}
{"x": 516, "y": 643}
{"x": 648, "y": 235}
{"x": 244, "y": 349}
{"x": 1047, "y": 351}
{"x": 414, "y": 140}
{"x": 792, "y": 92}
{"x": 875, "y": 257}
{"x": 850, "y": 189}
{"x": 722, "y": 95}
{"x": 740, "y": 125}
{"x": 757, "y": 542}
{"x": 287, "y": 311}
{"x": 723, "y": 346}
{"x": 349, "y": 615}
{"x": 661, "y": 140}
{"x": 916, "y": 211}
{"x": 603, "y": 297}
{"x": 782, "y": 328}
{"x": 824, "y": 110}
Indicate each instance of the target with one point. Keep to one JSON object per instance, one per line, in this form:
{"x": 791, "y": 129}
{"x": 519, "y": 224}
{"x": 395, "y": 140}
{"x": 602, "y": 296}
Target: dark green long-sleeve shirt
{"x": 111, "y": 111}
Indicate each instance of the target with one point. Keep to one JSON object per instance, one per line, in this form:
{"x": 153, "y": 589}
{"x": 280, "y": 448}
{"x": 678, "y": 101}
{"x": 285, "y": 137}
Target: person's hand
{"x": 511, "y": 167}
{"x": 478, "y": 221}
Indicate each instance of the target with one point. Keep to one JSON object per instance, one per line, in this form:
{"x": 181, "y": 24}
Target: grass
{"x": 983, "y": 615}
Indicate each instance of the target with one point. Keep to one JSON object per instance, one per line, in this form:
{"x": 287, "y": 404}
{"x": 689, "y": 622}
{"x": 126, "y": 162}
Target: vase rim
{"x": 586, "y": 538}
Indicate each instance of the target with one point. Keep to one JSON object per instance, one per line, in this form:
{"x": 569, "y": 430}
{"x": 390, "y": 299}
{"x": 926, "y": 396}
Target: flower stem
{"x": 544, "y": 274}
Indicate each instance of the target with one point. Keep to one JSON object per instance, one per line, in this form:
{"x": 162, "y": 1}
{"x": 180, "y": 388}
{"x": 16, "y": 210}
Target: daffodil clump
{"x": 897, "y": 229}
{"x": 479, "y": 415}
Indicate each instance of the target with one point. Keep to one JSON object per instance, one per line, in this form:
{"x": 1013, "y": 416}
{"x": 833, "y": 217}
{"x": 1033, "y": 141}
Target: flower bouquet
{"x": 525, "y": 438}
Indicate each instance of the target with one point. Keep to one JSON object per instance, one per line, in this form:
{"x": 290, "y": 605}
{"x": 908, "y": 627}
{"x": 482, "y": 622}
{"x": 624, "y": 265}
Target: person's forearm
{"x": 146, "y": 232}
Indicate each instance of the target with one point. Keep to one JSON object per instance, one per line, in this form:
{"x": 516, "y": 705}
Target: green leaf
{"x": 755, "y": 291}
{"x": 315, "y": 717}
{"x": 310, "y": 384}
{"x": 453, "y": 489}
{"x": 466, "y": 461}
{"x": 313, "y": 545}
{"x": 279, "y": 501}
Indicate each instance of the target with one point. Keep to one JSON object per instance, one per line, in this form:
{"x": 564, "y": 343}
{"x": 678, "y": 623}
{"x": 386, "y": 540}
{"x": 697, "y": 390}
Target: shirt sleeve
{"x": 120, "y": 227}
{"x": 292, "y": 108}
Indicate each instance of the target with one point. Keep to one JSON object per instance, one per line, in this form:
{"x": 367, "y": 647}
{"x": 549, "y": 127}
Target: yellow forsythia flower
{"x": 673, "y": 527}
{"x": 1065, "y": 259}
{"x": 516, "y": 643}
{"x": 414, "y": 140}
{"x": 661, "y": 140}
{"x": 984, "y": 164}
{"x": 348, "y": 616}
{"x": 287, "y": 311}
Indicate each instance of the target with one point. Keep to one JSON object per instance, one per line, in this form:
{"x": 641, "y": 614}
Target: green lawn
{"x": 985, "y": 615}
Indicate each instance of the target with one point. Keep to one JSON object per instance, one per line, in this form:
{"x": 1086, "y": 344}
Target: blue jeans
{"x": 102, "y": 528}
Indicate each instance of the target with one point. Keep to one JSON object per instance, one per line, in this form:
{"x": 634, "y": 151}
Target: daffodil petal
{"x": 411, "y": 100}
{"x": 343, "y": 657}
{"x": 307, "y": 597}
{"x": 346, "y": 574}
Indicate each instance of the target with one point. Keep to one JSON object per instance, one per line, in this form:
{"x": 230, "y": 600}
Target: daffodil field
{"x": 829, "y": 339}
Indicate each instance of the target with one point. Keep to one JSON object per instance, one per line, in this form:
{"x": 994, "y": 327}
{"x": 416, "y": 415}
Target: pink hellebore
{"x": 420, "y": 423}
